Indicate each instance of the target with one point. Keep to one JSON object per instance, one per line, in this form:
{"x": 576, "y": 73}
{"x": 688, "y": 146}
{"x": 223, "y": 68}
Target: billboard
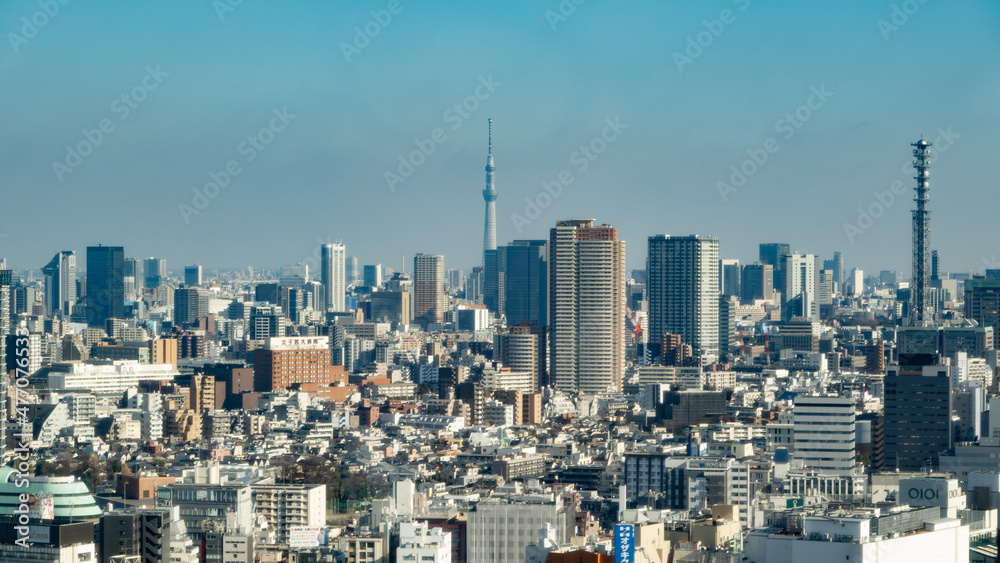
{"x": 41, "y": 507}
{"x": 304, "y": 537}
{"x": 624, "y": 543}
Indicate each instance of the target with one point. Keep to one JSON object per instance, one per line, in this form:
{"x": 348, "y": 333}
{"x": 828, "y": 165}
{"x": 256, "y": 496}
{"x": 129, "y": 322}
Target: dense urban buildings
{"x": 811, "y": 382}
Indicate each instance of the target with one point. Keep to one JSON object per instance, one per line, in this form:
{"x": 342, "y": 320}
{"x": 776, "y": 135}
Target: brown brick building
{"x": 284, "y": 362}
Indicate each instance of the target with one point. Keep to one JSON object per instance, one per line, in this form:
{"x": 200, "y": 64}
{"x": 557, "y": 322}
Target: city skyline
{"x": 665, "y": 145}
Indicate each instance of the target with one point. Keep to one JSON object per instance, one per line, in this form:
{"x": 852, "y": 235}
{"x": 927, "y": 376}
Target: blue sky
{"x": 555, "y": 83}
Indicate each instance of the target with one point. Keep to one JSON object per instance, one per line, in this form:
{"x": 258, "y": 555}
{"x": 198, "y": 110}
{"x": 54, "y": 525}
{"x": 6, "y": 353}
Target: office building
{"x": 107, "y": 377}
{"x": 428, "y": 289}
{"x": 683, "y": 286}
{"x": 586, "y": 306}
{"x": 772, "y": 253}
{"x": 373, "y": 275}
{"x": 757, "y": 282}
{"x": 190, "y": 304}
{"x": 493, "y": 291}
{"x": 855, "y": 282}
{"x": 499, "y": 530}
{"x": 523, "y": 277}
{"x": 285, "y": 362}
{"x": 390, "y": 307}
{"x": 105, "y": 284}
{"x": 154, "y": 272}
{"x": 352, "y": 270}
{"x": 60, "y": 283}
{"x": 293, "y": 275}
{"x": 266, "y": 321}
{"x": 918, "y": 412}
{"x": 332, "y": 275}
{"x": 192, "y": 275}
{"x": 202, "y": 505}
{"x": 836, "y": 265}
{"x": 982, "y": 301}
{"x": 799, "y": 287}
{"x": 729, "y": 277}
{"x": 824, "y": 433}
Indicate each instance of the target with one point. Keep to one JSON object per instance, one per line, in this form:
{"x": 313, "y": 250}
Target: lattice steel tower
{"x": 490, "y": 195}
{"x": 919, "y": 314}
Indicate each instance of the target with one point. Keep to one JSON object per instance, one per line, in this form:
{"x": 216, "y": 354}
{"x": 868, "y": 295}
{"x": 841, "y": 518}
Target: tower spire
{"x": 920, "y": 314}
{"x": 490, "y": 195}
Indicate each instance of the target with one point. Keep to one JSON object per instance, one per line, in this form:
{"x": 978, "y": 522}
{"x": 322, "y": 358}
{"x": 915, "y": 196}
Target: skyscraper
{"x": 493, "y": 293}
{"x": 332, "y": 275}
{"x": 729, "y": 277}
{"x": 772, "y": 253}
{"x": 757, "y": 281}
{"x": 352, "y": 269}
{"x": 428, "y": 289}
{"x": 490, "y": 195}
{"x": 190, "y": 304}
{"x": 105, "y": 284}
{"x": 799, "y": 295}
{"x": 683, "y": 286}
{"x": 918, "y": 410}
{"x": 155, "y": 271}
{"x": 837, "y": 266}
{"x": 587, "y": 306}
{"x": 523, "y": 266}
{"x": 192, "y": 275}
{"x": 373, "y": 275}
{"x": 60, "y": 283}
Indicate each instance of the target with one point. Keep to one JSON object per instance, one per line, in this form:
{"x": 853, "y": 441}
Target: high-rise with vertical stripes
{"x": 683, "y": 286}
{"x": 332, "y": 275}
{"x": 586, "y": 306}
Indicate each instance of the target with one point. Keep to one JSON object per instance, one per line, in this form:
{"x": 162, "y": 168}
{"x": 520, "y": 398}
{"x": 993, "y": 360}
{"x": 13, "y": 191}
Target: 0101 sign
{"x": 916, "y": 493}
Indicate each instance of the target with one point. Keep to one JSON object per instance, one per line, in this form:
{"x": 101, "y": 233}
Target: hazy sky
{"x": 311, "y": 103}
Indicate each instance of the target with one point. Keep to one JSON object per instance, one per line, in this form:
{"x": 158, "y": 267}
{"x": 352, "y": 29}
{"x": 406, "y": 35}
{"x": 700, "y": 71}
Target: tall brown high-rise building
{"x": 587, "y": 306}
{"x": 163, "y": 351}
{"x": 428, "y": 289}
{"x": 875, "y": 357}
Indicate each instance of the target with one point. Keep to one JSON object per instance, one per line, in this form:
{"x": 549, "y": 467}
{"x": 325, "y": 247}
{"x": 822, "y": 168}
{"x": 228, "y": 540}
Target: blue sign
{"x": 624, "y": 543}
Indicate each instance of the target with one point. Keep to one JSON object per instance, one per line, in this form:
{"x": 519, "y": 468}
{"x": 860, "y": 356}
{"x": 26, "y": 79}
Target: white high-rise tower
{"x": 490, "y": 195}
{"x": 332, "y": 275}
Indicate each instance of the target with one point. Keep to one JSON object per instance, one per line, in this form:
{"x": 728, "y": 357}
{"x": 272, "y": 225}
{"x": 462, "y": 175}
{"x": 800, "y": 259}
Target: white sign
{"x": 304, "y": 537}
